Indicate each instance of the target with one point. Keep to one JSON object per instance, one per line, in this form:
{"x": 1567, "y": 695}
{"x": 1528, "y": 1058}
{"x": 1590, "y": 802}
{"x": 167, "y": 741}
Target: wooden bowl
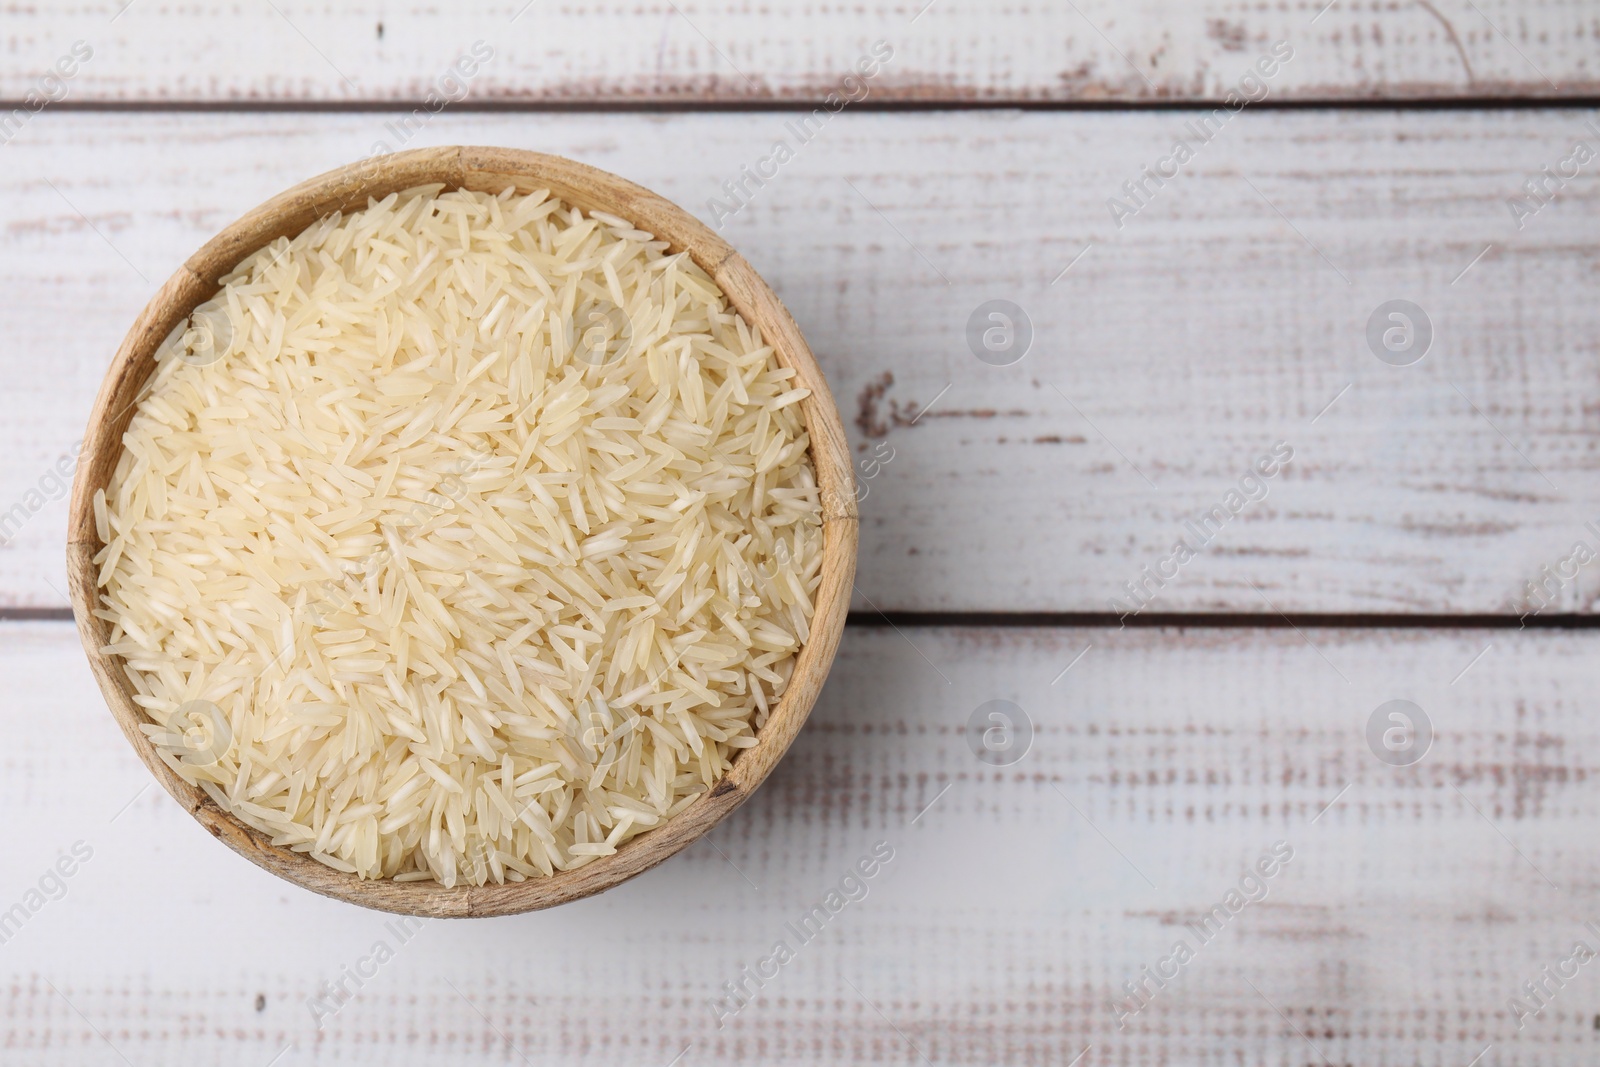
{"x": 485, "y": 170}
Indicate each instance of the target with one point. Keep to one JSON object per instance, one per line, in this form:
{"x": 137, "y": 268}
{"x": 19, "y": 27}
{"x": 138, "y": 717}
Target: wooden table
{"x": 1232, "y": 713}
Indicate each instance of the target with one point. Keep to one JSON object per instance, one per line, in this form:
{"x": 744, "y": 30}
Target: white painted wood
{"x": 1171, "y": 355}
{"x": 1018, "y": 901}
{"x": 693, "y": 50}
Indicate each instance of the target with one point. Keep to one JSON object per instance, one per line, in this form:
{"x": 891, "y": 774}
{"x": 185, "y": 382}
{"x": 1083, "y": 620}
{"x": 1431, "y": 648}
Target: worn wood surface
{"x": 1018, "y": 900}
{"x": 798, "y": 50}
{"x": 1228, "y": 314}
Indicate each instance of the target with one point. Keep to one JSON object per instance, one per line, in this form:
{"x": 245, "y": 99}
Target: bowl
{"x": 482, "y": 170}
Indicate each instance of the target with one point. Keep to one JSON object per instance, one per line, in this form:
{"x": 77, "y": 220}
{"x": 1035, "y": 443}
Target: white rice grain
{"x": 484, "y": 545}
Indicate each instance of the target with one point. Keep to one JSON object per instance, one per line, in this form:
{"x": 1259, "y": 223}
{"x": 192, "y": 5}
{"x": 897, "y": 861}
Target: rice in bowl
{"x": 462, "y": 538}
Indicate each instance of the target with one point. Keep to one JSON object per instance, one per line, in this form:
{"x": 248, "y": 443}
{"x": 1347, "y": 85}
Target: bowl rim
{"x": 483, "y": 169}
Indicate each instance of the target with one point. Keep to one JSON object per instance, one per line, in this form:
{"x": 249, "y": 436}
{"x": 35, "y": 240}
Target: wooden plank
{"x": 798, "y": 50}
{"x": 1227, "y": 315}
{"x": 1018, "y": 900}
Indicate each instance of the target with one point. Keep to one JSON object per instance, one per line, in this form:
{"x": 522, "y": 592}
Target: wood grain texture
{"x": 1018, "y": 900}
{"x": 798, "y": 50}
{"x": 1217, "y": 321}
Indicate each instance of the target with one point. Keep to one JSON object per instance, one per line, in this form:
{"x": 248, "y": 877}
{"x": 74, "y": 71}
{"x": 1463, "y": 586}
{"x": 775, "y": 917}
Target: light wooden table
{"x": 1225, "y": 317}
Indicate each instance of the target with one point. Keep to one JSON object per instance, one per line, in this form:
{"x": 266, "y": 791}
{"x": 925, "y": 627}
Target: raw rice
{"x": 463, "y": 538}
